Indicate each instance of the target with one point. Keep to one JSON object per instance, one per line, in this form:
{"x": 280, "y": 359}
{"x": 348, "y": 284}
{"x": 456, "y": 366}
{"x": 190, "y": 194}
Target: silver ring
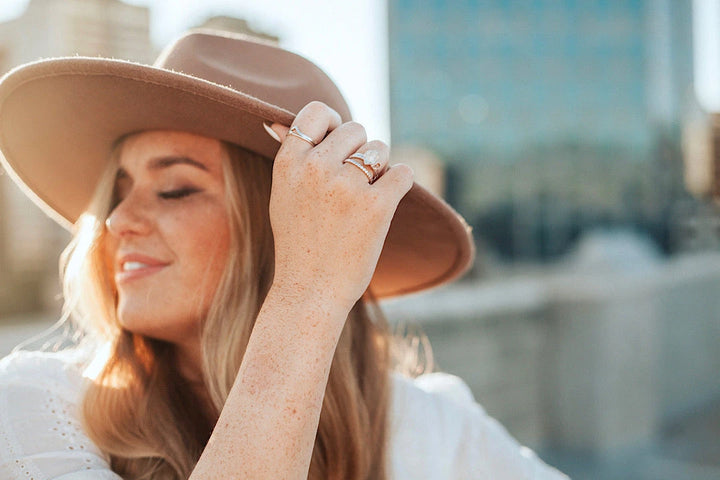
{"x": 370, "y": 158}
{"x": 297, "y": 133}
{"x": 368, "y": 173}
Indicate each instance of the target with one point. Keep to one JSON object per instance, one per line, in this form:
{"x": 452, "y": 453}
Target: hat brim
{"x": 59, "y": 119}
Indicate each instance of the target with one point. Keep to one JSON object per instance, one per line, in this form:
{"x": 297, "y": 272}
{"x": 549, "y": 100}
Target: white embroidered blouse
{"x": 437, "y": 431}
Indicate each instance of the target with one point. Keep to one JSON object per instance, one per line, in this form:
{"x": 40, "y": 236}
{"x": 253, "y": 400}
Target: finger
{"x": 314, "y": 120}
{"x": 341, "y": 143}
{"x": 277, "y": 131}
{"x": 372, "y": 157}
{"x": 395, "y": 182}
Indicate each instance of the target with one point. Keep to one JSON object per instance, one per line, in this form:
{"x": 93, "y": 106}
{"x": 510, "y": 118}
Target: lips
{"x": 132, "y": 266}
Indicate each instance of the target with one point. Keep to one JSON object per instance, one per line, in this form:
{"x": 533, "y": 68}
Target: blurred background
{"x": 579, "y": 138}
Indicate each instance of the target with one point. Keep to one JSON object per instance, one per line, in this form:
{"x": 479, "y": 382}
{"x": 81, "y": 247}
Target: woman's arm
{"x": 268, "y": 425}
{"x": 329, "y": 226}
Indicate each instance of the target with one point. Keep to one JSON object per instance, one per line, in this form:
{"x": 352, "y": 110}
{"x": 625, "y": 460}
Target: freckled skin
{"x": 329, "y": 225}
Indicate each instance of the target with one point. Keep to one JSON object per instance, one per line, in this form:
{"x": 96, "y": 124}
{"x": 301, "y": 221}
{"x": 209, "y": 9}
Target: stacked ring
{"x": 364, "y": 160}
{"x": 365, "y": 170}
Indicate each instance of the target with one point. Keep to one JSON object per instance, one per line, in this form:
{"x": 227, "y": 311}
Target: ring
{"x": 370, "y": 174}
{"x": 297, "y": 133}
{"x": 371, "y": 159}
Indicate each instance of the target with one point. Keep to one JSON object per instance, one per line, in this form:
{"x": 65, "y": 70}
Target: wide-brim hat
{"x": 59, "y": 119}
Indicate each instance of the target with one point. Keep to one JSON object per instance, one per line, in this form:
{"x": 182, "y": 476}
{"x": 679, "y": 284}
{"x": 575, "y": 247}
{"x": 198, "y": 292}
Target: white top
{"x": 437, "y": 431}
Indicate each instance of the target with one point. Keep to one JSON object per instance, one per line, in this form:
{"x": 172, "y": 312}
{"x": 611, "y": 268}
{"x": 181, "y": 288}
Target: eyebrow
{"x": 159, "y": 163}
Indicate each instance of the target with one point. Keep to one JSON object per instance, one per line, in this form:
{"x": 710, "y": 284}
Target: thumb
{"x": 277, "y": 131}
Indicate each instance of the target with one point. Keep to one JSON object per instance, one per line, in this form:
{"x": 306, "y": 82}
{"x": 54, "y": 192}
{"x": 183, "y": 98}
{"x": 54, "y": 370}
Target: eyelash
{"x": 177, "y": 194}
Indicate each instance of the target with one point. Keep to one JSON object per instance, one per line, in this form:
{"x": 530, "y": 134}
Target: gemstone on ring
{"x": 369, "y": 158}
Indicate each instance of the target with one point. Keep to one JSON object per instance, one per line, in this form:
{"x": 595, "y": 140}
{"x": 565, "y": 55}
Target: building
{"x": 30, "y": 242}
{"x": 575, "y": 103}
{"x": 53, "y": 28}
{"x": 237, "y": 25}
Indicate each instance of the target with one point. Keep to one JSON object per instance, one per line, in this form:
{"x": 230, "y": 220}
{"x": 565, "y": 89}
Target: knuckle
{"x": 378, "y": 145}
{"x": 356, "y": 128}
{"x": 317, "y": 106}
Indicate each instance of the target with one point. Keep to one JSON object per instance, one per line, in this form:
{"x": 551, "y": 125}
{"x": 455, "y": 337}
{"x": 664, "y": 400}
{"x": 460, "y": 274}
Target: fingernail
{"x": 271, "y": 132}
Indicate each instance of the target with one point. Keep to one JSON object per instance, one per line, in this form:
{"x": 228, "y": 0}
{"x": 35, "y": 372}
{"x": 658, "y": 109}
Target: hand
{"x": 328, "y": 221}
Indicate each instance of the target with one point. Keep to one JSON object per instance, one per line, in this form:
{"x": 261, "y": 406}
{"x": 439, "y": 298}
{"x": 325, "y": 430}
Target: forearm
{"x": 269, "y": 422}
{"x": 329, "y": 225}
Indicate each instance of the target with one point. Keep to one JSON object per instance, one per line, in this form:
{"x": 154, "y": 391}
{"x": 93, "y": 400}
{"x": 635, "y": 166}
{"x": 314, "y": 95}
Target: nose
{"x": 129, "y": 217}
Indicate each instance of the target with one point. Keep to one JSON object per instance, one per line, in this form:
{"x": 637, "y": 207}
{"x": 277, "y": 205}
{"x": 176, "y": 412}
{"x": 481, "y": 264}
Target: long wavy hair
{"x": 144, "y": 414}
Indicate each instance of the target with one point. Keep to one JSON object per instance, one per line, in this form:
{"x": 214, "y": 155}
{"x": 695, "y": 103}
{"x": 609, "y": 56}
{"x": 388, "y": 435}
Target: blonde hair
{"x": 144, "y": 414}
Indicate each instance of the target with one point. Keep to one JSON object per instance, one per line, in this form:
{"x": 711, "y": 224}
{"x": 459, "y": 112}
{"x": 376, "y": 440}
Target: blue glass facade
{"x": 501, "y": 77}
{"x": 553, "y": 117}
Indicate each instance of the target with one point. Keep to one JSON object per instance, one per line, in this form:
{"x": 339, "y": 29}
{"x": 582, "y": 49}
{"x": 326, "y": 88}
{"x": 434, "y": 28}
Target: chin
{"x": 135, "y": 324}
{"x": 139, "y": 321}
{"x": 154, "y": 325}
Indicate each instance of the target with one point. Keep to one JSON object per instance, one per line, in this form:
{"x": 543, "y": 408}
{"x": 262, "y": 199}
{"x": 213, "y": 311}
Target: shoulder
{"x": 438, "y": 430}
{"x": 41, "y": 434}
{"x": 435, "y": 401}
{"x": 38, "y": 389}
{"x": 439, "y": 388}
{"x": 59, "y": 373}
{"x": 426, "y": 424}
{"x": 19, "y": 366}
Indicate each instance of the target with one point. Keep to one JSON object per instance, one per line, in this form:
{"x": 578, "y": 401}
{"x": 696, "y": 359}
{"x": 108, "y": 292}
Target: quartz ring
{"x": 368, "y": 162}
{"x": 369, "y": 173}
{"x": 295, "y": 132}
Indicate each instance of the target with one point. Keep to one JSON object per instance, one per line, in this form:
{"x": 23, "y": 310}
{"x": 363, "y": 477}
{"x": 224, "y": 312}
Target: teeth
{"x": 133, "y": 266}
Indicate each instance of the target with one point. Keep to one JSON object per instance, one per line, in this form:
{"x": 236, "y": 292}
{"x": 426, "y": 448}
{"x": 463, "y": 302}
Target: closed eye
{"x": 177, "y": 194}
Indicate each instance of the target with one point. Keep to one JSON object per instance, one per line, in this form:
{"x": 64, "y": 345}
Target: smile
{"x": 135, "y": 268}
{"x": 127, "y": 266}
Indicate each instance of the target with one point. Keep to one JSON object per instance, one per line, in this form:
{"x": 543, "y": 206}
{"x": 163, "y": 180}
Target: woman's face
{"x": 168, "y": 234}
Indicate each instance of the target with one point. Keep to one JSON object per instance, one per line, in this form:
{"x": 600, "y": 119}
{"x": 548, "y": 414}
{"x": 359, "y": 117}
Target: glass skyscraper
{"x": 499, "y": 75}
{"x": 569, "y": 84}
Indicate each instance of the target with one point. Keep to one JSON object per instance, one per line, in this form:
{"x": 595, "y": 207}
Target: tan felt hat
{"x": 59, "y": 118}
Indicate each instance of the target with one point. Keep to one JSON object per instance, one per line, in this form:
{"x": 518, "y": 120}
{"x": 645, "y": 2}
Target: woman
{"x": 230, "y": 325}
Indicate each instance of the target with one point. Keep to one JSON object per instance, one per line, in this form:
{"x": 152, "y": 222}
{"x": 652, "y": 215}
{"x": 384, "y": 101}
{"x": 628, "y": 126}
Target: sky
{"x": 706, "y": 37}
{"x": 348, "y": 39}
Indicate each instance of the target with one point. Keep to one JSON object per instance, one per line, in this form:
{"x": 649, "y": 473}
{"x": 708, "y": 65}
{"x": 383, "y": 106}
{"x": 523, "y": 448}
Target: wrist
{"x": 292, "y": 290}
{"x": 303, "y": 311}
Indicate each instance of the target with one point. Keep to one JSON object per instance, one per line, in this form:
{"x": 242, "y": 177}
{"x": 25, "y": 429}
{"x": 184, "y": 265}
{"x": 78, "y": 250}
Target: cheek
{"x": 108, "y": 248}
{"x": 209, "y": 244}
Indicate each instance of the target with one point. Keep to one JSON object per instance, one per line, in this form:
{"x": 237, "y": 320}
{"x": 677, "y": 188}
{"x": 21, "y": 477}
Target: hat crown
{"x": 255, "y": 68}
